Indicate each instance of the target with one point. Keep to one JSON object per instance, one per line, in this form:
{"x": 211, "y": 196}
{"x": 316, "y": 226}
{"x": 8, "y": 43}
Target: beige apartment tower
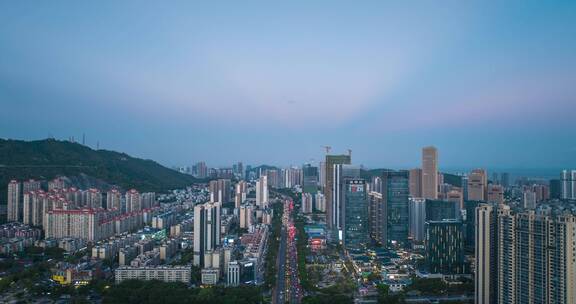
{"x": 430, "y": 173}
{"x": 477, "y": 181}
{"x": 415, "y": 180}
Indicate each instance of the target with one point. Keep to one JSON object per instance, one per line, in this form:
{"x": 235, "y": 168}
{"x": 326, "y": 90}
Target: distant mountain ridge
{"x": 49, "y": 158}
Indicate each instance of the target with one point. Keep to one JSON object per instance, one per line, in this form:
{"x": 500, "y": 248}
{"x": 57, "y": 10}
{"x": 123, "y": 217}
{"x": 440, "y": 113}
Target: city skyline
{"x": 490, "y": 85}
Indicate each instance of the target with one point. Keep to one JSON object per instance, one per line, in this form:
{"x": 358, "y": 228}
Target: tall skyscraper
{"x": 485, "y": 275}
{"x": 114, "y": 200}
{"x": 495, "y": 194}
{"x": 322, "y": 175}
{"x": 320, "y": 202}
{"x": 395, "y": 194}
{"x": 220, "y": 190}
{"x": 417, "y": 210}
{"x": 438, "y": 210}
{"x": 470, "y": 224}
{"x": 477, "y": 183}
{"x": 332, "y": 160}
{"x": 133, "y": 201}
{"x": 206, "y": 230}
{"x": 14, "y": 190}
{"x": 505, "y": 180}
{"x": 429, "y": 173}
{"x": 525, "y": 257}
{"x": 568, "y": 184}
{"x": 355, "y": 218}
{"x": 262, "y": 191}
{"x": 416, "y": 182}
{"x": 339, "y": 175}
{"x": 445, "y": 247}
{"x": 529, "y": 199}
{"x": 307, "y": 202}
{"x": 238, "y": 170}
{"x": 240, "y": 193}
{"x": 310, "y": 178}
{"x": 377, "y": 216}
{"x": 200, "y": 170}
{"x": 455, "y": 195}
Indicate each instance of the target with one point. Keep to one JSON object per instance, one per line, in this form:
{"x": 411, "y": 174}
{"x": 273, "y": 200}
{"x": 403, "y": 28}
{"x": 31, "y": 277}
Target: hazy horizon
{"x": 489, "y": 84}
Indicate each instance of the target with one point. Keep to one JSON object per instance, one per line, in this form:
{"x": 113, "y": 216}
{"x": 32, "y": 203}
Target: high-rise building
{"x": 320, "y": 202}
{"x": 417, "y": 210}
{"x": 220, "y": 190}
{"x": 307, "y": 202}
{"x": 273, "y": 178}
{"x": 445, "y": 247}
{"x": 455, "y": 195}
{"x": 246, "y": 216}
{"x": 477, "y": 183}
{"x": 377, "y": 215}
{"x": 505, "y": 180}
{"x": 332, "y": 160}
{"x": 35, "y": 205}
{"x": 438, "y": 210}
{"x": 238, "y": 169}
{"x": 322, "y": 175}
{"x": 525, "y": 257}
{"x": 200, "y": 170}
{"x": 529, "y": 199}
{"x": 339, "y": 175}
{"x": 464, "y": 181}
{"x": 14, "y": 190}
{"x": 30, "y": 185}
{"x": 58, "y": 183}
{"x": 292, "y": 177}
{"x": 240, "y": 193}
{"x": 376, "y": 184}
{"x": 568, "y": 184}
{"x": 485, "y": 268}
{"x": 262, "y": 191}
{"x": 207, "y": 227}
{"x": 310, "y": 178}
{"x": 133, "y": 201}
{"x": 495, "y": 194}
{"x": 93, "y": 198}
{"x": 114, "y": 200}
{"x": 416, "y": 182}
{"x": 429, "y": 173}
{"x": 355, "y": 233}
{"x": 470, "y": 224}
{"x": 90, "y": 225}
{"x": 395, "y": 195}
{"x": 148, "y": 200}
{"x": 555, "y": 189}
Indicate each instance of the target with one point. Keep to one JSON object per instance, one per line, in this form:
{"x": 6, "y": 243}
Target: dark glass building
{"x": 355, "y": 218}
{"x": 396, "y": 191}
{"x": 437, "y": 210}
{"x": 470, "y": 225}
{"x": 309, "y": 178}
{"x": 445, "y": 247}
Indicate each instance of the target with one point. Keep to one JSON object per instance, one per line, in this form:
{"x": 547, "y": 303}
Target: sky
{"x": 489, "y": 83}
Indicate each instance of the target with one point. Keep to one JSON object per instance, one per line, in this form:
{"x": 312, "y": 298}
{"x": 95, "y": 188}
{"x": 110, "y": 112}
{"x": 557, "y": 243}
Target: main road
{"x": 287, "y": 284}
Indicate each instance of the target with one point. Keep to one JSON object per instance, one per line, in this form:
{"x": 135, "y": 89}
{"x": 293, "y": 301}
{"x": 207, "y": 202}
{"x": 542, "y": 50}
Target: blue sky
{"x": 490, "y": 84}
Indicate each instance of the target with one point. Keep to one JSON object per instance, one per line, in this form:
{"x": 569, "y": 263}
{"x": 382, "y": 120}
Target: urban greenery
{"x": 161, "y": 292}
{"x": 49, "y": 158}
{"x": 273, "y": 246}
{"x": 303, "y": 251}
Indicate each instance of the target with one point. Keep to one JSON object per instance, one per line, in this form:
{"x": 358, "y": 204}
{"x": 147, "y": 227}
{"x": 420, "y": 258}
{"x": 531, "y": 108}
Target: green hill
{"x": 46, "y": 159}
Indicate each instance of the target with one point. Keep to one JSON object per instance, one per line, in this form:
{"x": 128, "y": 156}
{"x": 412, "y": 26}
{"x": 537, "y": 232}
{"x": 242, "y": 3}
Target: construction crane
{"x": 327, "y": 148}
